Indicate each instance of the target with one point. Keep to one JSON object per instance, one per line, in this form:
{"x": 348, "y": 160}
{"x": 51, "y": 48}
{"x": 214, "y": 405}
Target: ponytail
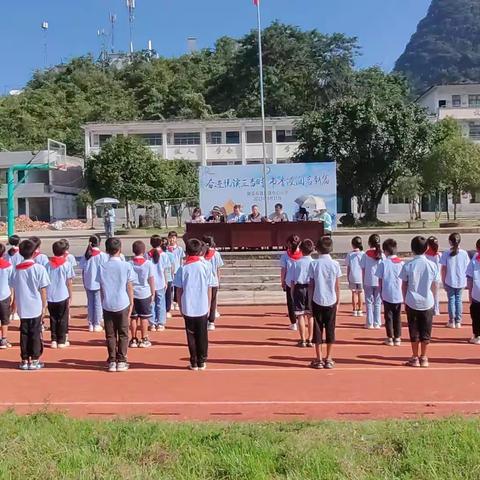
{"x": 454, "y": 240}
{"x": 93, "y": 242}
{"x": 155, "y": 243}
{"x": 374, "y": 242}
{"x": 155, "y": 256}
{"x": 293, "y": 242}
{"x": 432, "y": 243}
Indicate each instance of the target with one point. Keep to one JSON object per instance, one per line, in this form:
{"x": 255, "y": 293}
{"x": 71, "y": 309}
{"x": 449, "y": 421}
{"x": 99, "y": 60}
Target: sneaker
{"x": 24, "y": 365}
{"x": 112, "y": 367}
{"x": 133, "y": 343}
{"x": 359, "y": 313}
{"x": 217, "y": 314}
{"x": 202, "y": 366}
{"x": 91, "y": 328}
{"x": 98, "y": 328}
{"x": 301, "y": 344}
{"x": 397, "y": 342}
{"x": 4, "y": 344}
{"x": 475, "y": 340}
{"x": 388, "y": 341}
{"x": 458, "y": 325}
{"x": 424, "y": 362}
{"x": 309, "y": 343}
{"x": 192, "y": 367}
{"x": 169, "y": 315}
{"x": 211, "y": 326}
{"x": 329, "y": 364}
{"x": 54, "y": 345}
{"x": 317, "y": 364}
{"x": 370, "y": 327}
{"x": 355, "y": 313}
{"x": 293, "y": 327}
{"x": 377, "y": 327}
{"x": 64, "y": 345}
{"x": 122, "y": 366}
{"x": 413, "y": 362}
{"x": 152, "y": 328}
{"x": 450, "y": 324}
{"x": 145, "y": 343}
{"x": 160, "y": 328}
{"x": 36, "y": 365}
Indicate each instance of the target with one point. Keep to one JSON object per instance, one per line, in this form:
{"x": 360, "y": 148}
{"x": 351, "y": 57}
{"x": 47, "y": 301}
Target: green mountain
{"x": 446, "y": 46}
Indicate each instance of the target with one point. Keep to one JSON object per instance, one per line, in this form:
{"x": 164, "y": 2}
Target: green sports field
{"x": 51, "y": 446}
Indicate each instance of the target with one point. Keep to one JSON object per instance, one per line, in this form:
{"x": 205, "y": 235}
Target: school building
{"x": 45, "y": 195}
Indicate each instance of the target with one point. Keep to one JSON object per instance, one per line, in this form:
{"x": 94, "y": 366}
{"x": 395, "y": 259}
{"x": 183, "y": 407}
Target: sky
{"x": 383, "y": 27}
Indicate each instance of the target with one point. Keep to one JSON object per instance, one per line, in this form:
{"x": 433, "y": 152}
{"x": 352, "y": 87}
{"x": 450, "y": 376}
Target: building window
{"x": 397, "y": 199}
{"x": 214, "y": 138}
{"x": 456, "y": 100}
{"x": 150, "y": 139}
{"x": 189, "y": 138}
{"x": 474, "y": 100}
{"x": 442, "y": 103}
{"x": 474, "y": 131}
{"x": 232, "y": 138}
{"x": 102, "y": 139}
{"x": 286, "y": 136}
{"x": 22, "y": 206}
{"x": 255, "y": 136}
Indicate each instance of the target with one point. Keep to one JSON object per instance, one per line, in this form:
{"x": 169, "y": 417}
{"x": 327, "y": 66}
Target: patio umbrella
{"x": 106, "y": 201}
{"x": 311, "y": 202}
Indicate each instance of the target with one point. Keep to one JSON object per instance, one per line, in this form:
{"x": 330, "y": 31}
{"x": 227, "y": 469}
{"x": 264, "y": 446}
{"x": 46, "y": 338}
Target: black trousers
{"x": 59, "y": 312}
{"x": 116, "y": 334}
{"x": 213, "y": 305}
{"x": 168, "y": 296}
{"x": 31, "y": 340}
{"x": 197, "y": 339}
{"x": 324, "y": 319}
{"x": 290, "y": 307}
{"x": 419, "y": 324}
{"x": 475, "y": 314}
{"x": 393, "y": 321}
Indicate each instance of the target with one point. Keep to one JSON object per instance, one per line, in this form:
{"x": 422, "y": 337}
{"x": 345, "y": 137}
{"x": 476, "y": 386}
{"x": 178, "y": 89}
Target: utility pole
{"x": 45, "y": 43}
{"x": 113, "y": 20}
{"x": 131, "y": 19}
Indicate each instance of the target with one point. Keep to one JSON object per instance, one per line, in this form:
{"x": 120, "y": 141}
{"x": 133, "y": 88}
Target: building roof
{"x": 433, "y": 87}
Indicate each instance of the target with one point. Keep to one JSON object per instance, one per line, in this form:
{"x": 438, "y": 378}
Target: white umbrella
{"x": 106, "y": 201}
{"x": 312, "y": 202}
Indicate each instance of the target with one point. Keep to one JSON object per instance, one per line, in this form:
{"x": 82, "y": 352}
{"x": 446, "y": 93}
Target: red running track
{"x": 255, "y": 372}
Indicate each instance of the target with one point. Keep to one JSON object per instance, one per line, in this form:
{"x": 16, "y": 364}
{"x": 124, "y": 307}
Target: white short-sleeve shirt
{"x": 179, "y": 255}
{"x": 456, "y": 267}
{"x": 194, "y": 278}
{"x": 72, "y": 260}
{"x": 27, "y": 281}
{"x": 389, "y": 272}
{"x": 6, "y": 272}
{"x": 419, "y": 274}
{"x": 90, "y": 268}
{"x": 143, "y": 272}
{"x": 14, "y": 259}
{"x": 41, "y": 259}
{"x": 324, "y": 273}
{"x": 353, "y": 260}
{"x": 216, "y": 262}
{"x": 159, "y": 271}
{"x": 369, "y": 265}
{"x": 473, "y": 272}
{"x": 301, "y": 270}
{"x": 57, "y": 291}
{"x": 114, "y": 277}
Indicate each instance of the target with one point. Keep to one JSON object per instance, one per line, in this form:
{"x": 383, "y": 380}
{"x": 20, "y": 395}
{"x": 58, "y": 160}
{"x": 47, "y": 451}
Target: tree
{"x": 124, "y": 169}
{"x": 375, "y": 137}
{"x": 453, "y": 164}
{"x": 410, "y": 188}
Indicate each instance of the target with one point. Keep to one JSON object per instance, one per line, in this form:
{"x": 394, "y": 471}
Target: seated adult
{"x": 216, "y": 215}
{"x": 237, "y": 216}
{"x": 279, "y": 215}
{"x": 301, "y": 215}
{"x": 197, "y": 216}
{"x": 255, "y": 216}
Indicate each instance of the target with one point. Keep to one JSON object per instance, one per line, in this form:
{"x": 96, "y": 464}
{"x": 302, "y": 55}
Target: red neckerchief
{"x": 139, "y": 261}
{"x": 372, "y": 253}
{"x": 36, "y": 253}
{"x": 430, "y": 252}
{"x": 478, "y": 257}
{"x": 297, "y": 255}
{"x": 171, "y": 248}
{"x": 15, "y": 249}
{"x": 24, "y": 265}
{"x": 151, "y": 252}
{"x": 210, "y": 254}
{"x": 395, "y": 259}
{"x": 95, "y": 251}
{"x": 4, "y": 263}
{"x": 192, "y": 259}
{"x": 56, "y": 262}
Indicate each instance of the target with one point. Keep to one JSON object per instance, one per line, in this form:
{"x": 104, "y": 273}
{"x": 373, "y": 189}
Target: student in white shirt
{"x": 300, "y": 284}
{"x": 70, "y": 258}
{"x": 355, "y": 276}
{"x": 325, "y": 296}
{"x": 59, "y": 294}
{"x": 216, "y": 261}
{"x": 115, "y": 278}
{"x": 292, "y": 254}
{"x": 433, "y": 255}
{"x": 161, "y": 263}
{"x": 12, "y": 255}
{"x": 169, "y": 274}
{"x": 90, "y": 263}
{"x": 454, "y": 264}
{"x": 388, "y": 273}
{"x": 6, "y": 297}
{"x": 179, "y": 255}
{"x": 29, "y": 283}
{"x": 370, "y": 262}
{"x": 420, "y": 278}
{"x": 194, "y": 280}
{"x": 143, "y": 296}
{"x": 38, "y": 257}
{"x": 473, "y": 284}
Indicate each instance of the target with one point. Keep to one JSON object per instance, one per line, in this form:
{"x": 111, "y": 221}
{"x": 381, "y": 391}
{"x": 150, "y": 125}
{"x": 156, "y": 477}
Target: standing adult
{"x": 326, "y": 218}
{"x": 109, "y": 221}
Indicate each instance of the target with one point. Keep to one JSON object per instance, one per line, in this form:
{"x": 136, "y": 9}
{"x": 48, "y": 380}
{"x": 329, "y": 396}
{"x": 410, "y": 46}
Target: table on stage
{"x": 254, "y": 235}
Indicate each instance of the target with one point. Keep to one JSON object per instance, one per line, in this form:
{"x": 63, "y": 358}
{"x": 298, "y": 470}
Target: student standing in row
{"x": 179, "y": 255}
{"x": 143, "y": 296}
{"x": 193, "y": 281}
{"x": 30, "y": 282}
{"x": 370, "y": 262}
{"x": 38, "y": 256}
{"x": 6, "y": 297}
{"x": 169, "y": 274}
{"x": 90, "y": 263}
{"x": 454, "y": 264}
{"x": 473, "y": 284}
{"x": 216, "y": 263}
{"x": 161, "y": 264}
{"x": 59, "y": 294}
{"x": 420, "y": 278}
{"x": 325, "y": 294}
{"x": 353, "y": 261}
{"x": 292, "y": 254}
{"x": 388, "y": 273}
{"x": 13, "y": 256}
{"x": 300, "y": 291}
{"x": 433, "y": 255}
{"x": 115, "y": 278}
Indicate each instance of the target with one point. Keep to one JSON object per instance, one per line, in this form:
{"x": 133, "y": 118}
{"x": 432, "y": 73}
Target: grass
{"x": 52, "y": 446}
